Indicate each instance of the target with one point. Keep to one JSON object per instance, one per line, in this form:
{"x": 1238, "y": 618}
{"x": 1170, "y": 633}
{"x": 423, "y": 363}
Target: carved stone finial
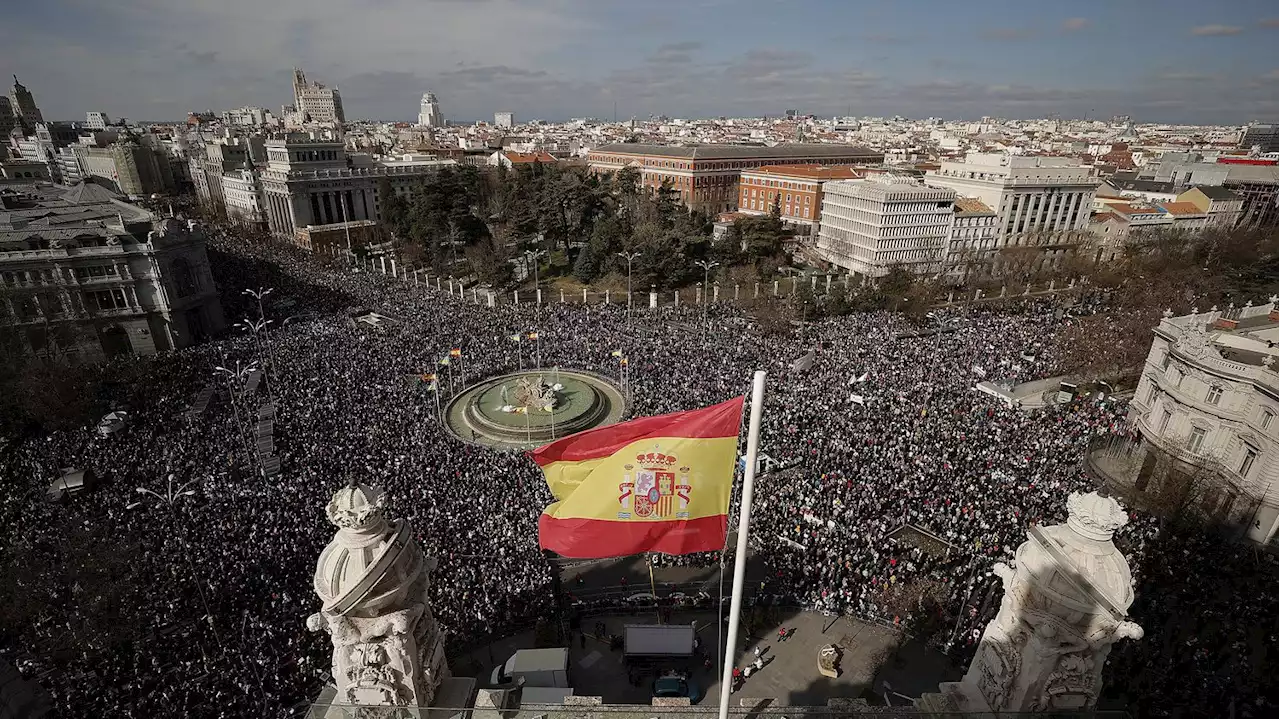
{"x": 1094, "y": 516}
{"x": 356, "y": 506}
{"x": 1195, "y": 310}
{"x": 1167, "y": 313}
{"x": 1268, "y": 361}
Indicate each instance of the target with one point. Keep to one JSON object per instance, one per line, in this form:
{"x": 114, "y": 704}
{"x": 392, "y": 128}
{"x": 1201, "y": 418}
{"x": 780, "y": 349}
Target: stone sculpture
{"x": 372, "y": 579}
{"x": 1064, "y": 605}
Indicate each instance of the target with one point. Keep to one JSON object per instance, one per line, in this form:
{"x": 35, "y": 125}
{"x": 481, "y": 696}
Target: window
{"x": 1164, "y": 361}
{"x": 1214, "y": 395}
{"x": 1267, "y": 418}
{"x": 1246, "y": 464}
{"x": 1164, "y": 419}
{"x": 1196, "y": 440}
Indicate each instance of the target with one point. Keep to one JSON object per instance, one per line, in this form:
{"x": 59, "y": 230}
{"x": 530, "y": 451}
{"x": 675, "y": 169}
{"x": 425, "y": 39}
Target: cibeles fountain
{"x": 1065, "y": 603}
{"x": 388, "y": 652}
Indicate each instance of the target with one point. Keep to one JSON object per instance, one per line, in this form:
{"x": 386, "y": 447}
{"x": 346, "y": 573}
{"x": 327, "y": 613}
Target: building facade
{"x": 90, "y": 276}
{"x": 1222, "y": 206}
{"x": 311, "y": 180}
{"x": 869, "y": 226}
{"x": 505, "y": 120}
{"x": 135, "y": 170}
{"x": 1207, "y": 403}
{"x": 24, "y": 106}
{"x": 706, "y": 177}
{"x": 796, "y": 190}
{"x": 1265, "y": 137}
{"x": 95, "y": 120}
{"x": 973, "y": 239}
{"x": 315, "y": 102}
{"x": 243, "y": 197}
{"x": 429, "y": 111}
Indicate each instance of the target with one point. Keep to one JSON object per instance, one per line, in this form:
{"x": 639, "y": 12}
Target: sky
{"x": 1157, "y": 60}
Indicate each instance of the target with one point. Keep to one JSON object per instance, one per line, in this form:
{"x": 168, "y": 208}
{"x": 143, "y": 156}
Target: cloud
{"x": 675, "y": 53}
{"x": 1072, "y": 24}
{"x": 1269, "y": 22}
{"x": 1185, "y": 77}
{"x": 1216, "y": 30}
{"x": 1008, "y": 33}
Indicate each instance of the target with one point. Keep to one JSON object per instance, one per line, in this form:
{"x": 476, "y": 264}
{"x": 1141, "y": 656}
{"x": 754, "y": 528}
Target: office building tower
{"x": 429, "y": 113}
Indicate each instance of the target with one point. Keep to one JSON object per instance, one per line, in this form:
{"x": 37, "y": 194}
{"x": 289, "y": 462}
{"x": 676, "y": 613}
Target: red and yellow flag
{"x": 654, "y": 484}
{"x": 455, "y": 352}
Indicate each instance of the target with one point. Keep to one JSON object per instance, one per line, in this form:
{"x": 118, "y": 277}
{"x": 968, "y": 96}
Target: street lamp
{"x": 706, "y": 276}
{"x": 533, "y": 256}
{"x": 169, "y": 500}
{"x": 259, "y": 330}
{"x": 628, "y": 256}
{"x": 259, "y": 294}
{"x": 239, "y": 376}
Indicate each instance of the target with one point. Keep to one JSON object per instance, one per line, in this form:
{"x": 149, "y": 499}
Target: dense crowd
{"x": 228, "y": 570}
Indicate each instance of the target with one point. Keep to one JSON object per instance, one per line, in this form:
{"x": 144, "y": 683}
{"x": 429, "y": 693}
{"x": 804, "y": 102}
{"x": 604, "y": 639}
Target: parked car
{"x": 677, "y": 685}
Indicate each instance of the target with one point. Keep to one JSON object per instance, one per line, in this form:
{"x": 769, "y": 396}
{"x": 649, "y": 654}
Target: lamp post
{"x": 533, "y": 256}
{"x": 169, "y": 500}
{"x": 259, "y": 330}
{"x": 706, "y": 277}
{"x": 628, "y": 256}
{"x": 259, "y": 294}
{"x": 238, "y": 376}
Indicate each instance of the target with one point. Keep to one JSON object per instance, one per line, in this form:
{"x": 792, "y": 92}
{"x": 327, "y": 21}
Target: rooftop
{"x": 811, "y": 172}
{"x": 1181, "y": 209}
{"x": 1214, "y": 192}
{"x": 972, "y": 206}
{"x": 734, "y": 152}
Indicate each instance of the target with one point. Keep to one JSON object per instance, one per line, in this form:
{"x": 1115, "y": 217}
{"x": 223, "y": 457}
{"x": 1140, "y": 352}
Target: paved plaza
{"x": 871, "y": 655}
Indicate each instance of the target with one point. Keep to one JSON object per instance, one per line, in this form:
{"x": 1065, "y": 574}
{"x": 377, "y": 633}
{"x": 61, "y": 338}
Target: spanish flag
{"x": 533, "y": 335}
{"x": 455, "y": 352}
{"x": 654, "y": 484}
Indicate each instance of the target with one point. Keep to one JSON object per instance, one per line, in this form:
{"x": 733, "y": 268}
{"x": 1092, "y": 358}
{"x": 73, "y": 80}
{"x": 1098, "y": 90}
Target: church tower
{"x": 23, "y": 105}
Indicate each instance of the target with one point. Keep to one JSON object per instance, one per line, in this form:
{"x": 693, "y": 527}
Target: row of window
{"x": 771, "y": 195}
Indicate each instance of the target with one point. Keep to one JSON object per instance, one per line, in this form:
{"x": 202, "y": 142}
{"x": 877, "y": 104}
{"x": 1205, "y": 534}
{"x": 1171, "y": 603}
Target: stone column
{"x": 584, "y": 295}
{"x": 756, "y": 292}
{"x": 775, "y": 288}
{"x": 561, "y": 296}
{"x": 736, "y": 287}
{"x": 608, "y": 296}
{"x": 677, "y": 297}
{"x": 828, "y": 288}
{"x": 492, "y": 295}
{"x": 653, "y": 298}
{"x": 715, "y": 292}
{"x": 1065, "y": 604}
{"x": 537, "y": 297}
{"x": 516, "y": 296}
{"x": 393, "y": 267}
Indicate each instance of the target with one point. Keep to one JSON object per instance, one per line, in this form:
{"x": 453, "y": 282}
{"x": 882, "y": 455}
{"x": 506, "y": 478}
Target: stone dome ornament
{"x": 1095, "y": 517}
{"x": 372, "y": 581}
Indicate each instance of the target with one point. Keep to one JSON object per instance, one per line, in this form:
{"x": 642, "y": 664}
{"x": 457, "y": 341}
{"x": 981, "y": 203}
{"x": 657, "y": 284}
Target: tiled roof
{"x": 740, "y": 152}
{"x": 1214, "y": 192}
{"x": 1181, "y": 208}
{"x": 972, "y": 206}
{"x": 519, "y": 158}
{"x": 811, "y": 172}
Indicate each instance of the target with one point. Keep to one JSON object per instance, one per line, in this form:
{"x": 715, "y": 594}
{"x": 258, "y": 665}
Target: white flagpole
{"x": 740, "y": 560}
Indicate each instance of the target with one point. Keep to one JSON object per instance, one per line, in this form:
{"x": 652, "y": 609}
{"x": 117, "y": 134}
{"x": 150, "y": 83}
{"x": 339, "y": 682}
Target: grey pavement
{"x": 789, "y": 677}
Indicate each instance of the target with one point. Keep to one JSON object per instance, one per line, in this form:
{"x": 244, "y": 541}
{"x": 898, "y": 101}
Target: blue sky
{"x": 1159, "y": 61}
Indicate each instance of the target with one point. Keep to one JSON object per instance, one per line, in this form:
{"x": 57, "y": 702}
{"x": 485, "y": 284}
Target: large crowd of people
{"x": 884, "y": 430}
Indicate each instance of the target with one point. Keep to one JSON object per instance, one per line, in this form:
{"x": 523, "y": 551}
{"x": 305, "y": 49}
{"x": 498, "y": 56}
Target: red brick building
{"x": 706, "y": 176}
{"x": 796, "y": 188}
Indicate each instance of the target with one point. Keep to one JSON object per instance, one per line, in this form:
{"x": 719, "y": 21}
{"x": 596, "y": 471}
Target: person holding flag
{"x": 519, "y": 357}
{"x": 537, "y": 348}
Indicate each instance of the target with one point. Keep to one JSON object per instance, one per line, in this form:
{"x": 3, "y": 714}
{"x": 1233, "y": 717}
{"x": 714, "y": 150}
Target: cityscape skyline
{"x": 557, "y": 59}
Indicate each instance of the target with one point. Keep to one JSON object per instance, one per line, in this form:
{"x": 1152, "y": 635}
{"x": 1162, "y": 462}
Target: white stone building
{"x": 311, "y": 180}
{"x": 1040, "y": 202}
{"x": 96, "y": 120}
{"x": 870, "y": 225}
{"x": 973, "y": 238}
{"x": 505, "y": 120}
{"x": 315, "y": 102}
{"x": 429, "y": 112}
{"x": 86, "y": 274}
{"x": 1208, "y": 396}
{"x": 242, "y": 193}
